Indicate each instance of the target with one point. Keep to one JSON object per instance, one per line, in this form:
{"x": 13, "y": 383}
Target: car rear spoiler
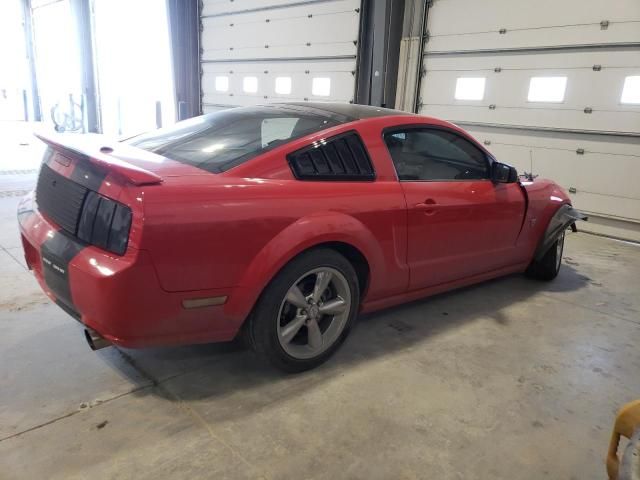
{"x": 87, "y": 148}
{"x": 565, "y": 217}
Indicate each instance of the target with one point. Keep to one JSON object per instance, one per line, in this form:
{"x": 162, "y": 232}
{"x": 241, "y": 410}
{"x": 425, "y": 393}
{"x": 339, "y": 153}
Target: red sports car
{"x": 280, "y": 222}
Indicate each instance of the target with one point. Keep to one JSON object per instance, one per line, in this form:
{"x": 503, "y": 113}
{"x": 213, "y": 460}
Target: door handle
{"x": 429, "y": 206}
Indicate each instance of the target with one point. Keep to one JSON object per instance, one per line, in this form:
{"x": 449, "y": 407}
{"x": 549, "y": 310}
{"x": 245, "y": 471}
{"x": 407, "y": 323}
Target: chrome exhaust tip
{"x": 95, "y": 340}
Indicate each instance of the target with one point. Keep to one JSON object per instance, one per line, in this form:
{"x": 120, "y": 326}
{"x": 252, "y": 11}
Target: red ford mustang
{"x": 279, "y": 222}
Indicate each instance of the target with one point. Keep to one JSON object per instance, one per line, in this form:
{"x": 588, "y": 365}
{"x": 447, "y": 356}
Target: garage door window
{"x": 250, "y": 84}
{"x": 435, "y": 155}
{"x": 631, "y": 90}
{"x": 321, "y": 87}
{"x": 283, "y": 85}
{"x": 222, "y": 84}
{"x": 470, "y": 88}
{"x": 547, "y": 89}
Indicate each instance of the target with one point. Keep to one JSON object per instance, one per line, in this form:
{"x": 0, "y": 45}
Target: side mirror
{"x": 503, "y": 173}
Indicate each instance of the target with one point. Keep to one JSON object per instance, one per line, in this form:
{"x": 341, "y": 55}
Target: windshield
{"x": 219, "y": 141}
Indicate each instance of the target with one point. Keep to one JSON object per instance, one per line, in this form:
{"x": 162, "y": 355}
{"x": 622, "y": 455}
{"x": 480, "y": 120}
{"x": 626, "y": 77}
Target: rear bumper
{"x": 119, "y": 297}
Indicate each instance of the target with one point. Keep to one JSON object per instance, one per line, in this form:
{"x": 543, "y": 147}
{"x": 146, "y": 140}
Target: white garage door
{"x": 549, "y": 86}
{"x": 254, "y": 51}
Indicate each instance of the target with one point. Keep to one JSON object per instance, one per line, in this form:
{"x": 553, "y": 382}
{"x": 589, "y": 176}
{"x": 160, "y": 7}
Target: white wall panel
{"x": 539, "y": 40}
{"x": 296, "y": 39}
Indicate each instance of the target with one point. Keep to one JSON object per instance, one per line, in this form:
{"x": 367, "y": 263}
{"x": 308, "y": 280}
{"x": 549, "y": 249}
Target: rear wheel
{"x": 306, "y": 311}
{"x": 547, "y": 267}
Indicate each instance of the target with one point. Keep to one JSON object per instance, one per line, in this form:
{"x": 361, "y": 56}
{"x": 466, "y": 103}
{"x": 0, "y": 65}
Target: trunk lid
{"x": 132, "y": 164}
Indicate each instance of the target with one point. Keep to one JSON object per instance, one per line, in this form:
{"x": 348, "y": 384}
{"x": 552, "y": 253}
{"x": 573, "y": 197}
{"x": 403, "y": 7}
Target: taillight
{"x": 104, "y": 223}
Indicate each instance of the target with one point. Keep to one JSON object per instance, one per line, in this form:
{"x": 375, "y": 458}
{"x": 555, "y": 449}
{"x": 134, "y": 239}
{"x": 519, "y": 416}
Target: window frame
{"x": 333, "y": 178}
{"x": 489, "y": 160}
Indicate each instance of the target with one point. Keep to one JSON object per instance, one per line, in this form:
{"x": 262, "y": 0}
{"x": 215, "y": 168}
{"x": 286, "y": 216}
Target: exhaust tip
{"x": 95, "y": 340}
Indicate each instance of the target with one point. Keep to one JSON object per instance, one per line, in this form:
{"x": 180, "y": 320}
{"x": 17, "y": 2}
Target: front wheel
{"x": 306, "y": 311}
{"x": 548, "y": 266}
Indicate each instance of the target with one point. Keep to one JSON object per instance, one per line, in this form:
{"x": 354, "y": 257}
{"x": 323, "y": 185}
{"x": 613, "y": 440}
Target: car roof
{"x": 342, "y": 112}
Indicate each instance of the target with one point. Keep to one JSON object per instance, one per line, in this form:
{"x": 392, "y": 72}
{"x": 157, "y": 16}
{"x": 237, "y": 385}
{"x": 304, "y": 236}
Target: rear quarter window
{"x": 343, "y": 157}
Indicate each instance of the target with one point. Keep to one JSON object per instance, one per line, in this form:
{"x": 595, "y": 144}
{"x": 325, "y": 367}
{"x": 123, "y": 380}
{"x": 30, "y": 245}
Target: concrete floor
{"x": 509, "y": 379}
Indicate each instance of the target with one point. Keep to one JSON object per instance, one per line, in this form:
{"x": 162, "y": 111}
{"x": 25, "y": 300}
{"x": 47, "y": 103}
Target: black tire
{"x": 547, "y": 267}
{"x": 264, "y": 326}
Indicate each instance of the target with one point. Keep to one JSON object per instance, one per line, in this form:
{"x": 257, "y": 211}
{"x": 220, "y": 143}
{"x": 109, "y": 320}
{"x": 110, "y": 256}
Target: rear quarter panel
{"x": 236, "y": 230}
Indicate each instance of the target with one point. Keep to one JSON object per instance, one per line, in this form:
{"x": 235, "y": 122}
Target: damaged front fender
{"x": 565, "y": 217}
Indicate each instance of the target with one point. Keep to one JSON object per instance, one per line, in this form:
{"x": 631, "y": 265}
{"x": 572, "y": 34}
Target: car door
{"x": 460, "y": 223}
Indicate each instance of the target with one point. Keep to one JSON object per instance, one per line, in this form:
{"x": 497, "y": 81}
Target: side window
{"x": 343, "y": 157}
{"x": 433, "y": 154}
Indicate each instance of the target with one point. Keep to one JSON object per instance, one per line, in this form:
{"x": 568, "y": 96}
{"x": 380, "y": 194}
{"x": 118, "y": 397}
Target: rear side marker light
{"x": 204, "y": 302}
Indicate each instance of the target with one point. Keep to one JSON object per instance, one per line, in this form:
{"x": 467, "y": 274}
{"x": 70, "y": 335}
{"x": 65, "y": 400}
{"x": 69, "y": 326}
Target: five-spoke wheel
{"x": 314, "y": 312}
{"x": 306, "y": 311}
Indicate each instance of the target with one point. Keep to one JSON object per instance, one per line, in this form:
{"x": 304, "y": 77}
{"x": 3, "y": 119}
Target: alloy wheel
{"x": 314, "y": 312}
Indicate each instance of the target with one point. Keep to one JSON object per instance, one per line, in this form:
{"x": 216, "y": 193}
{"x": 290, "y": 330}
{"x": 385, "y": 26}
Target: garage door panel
{"x": 468, "y": 25}
{"x": 226, "y": 7}
{"x": 565, "y": 36}
{"x": 603, "y": 172}
{"x": 340, "y": 74}
{"x": 316, "y": 30}
{"x": 558, "y": 60}
{"x": 558, "y": 117}
{"x": 290, "y": 50}
{"x": 507, "y": 90}
{"x": 310, "y": 48}
{"x": 619, "y": 208}
{"x": 589, "y": 140}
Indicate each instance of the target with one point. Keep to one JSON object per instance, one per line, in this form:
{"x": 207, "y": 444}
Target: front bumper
{"x": 120, "y": 297}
